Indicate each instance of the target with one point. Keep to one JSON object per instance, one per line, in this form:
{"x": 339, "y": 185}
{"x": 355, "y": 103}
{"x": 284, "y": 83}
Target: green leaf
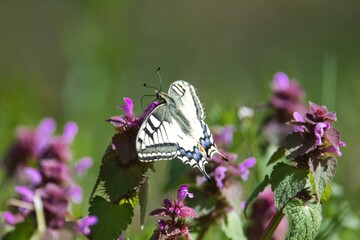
{"x": 23, "y": 230}
{"x": 112, "y": 219}
{"x": 296, "y": 145}
{"x": 120, "y": 180}
{"x": 305, "y": 219}
{"x": 286, "y": 181}
{"x": 232, "y": 226}
{"x": 143, "y": 199}
{"x": 323, "y": 171}
{"x": 277, "y": 155}
{"x": 256, "y": 192}
{"x": 109, "y": 153}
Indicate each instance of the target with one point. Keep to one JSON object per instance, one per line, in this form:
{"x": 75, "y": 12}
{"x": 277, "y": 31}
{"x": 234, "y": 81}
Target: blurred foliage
{"x": 75, "y": 60}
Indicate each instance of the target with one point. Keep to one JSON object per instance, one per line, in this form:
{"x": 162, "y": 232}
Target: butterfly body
{"x": 176, "y": 129}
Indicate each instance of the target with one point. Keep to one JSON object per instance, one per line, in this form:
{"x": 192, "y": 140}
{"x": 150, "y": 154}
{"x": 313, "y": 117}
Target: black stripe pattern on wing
{"x": 163, "y": 151}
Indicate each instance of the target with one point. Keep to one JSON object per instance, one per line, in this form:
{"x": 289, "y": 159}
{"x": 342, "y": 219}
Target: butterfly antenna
{"x": 158, "y": 73}
{"x": 142, "y": 98}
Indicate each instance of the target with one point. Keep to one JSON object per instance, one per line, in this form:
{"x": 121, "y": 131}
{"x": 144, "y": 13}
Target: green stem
{"x": 273, "y": 225}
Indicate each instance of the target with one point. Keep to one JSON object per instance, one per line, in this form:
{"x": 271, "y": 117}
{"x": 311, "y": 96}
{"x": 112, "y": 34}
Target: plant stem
{"x": 273, "y": 225}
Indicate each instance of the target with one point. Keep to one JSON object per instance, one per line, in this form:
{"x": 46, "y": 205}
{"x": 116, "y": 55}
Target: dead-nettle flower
{"x": 225, "y": 171}
{"x": 174, "y": 213}
{"x": 286, "y": 98}
{"x": 315, "y": 127}
{"x": 262, "y": 211}
{"x": 129, "y": 119}
{"x": 286, "y": 93}
{"x": 49, "y": 176}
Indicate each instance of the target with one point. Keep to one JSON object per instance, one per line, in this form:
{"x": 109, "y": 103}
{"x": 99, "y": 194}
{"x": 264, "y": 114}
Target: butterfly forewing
{"x": 154, "y": 140}
{"x": 176, "y": 129}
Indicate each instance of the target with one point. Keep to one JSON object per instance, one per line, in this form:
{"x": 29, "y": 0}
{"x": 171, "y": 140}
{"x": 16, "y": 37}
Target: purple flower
{"x": 315, "y": 129}
{"x": 83, "y": 224}
{"x": 262, "y": 211}
{"x": 44, "y": 132}
{"x": 70, "y": 131}
{"x": 75, "y": 193}
{"x": 176, "y": 208}
{"x": 82, "y": 165}
{"x": 11, "y": 219}
{"x": 183, "y": 192}
{"x": 299, "y": 119}
{"x": 33, "y": 176}
{"x": 243, "y": 168}
{"x": 319, "y": 131}
{"x": 26, "y": 193}
{"x": 219, "y": 175}
{"x": 224, "y": 136}
{"x": 286, "y": 94}
{"x": 128, "y": 109}
{"x": 55, "y": 200}
{"x": 148, "y": 109}
{"x": 320, "y": 114}
{"x": 54, "y": 170}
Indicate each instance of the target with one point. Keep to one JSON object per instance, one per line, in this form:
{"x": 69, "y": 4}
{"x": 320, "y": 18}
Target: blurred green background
{"x": 75, "y": 60}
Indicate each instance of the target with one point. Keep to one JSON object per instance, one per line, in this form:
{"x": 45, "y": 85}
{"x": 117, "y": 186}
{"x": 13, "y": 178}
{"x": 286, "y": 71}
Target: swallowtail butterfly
{"x": 176, "y": 129}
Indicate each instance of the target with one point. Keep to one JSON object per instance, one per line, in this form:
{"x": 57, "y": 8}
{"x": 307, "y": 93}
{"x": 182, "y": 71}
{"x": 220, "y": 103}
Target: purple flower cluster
{"x": 286, "y": 98}
{"x": 262, "y": 211}
{"x": 129, "y": 119}
{"x": 286, "y": 94}
{"x": 224, "y": 172}
{"x": 315, "y": 127}
{"x": 175, "y": 212}
{"x": 49, "y": 178}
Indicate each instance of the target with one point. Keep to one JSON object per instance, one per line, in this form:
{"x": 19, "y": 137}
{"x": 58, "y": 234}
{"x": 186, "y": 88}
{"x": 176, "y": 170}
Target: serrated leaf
{"x": 296, "y": 145}
{"x": 133, "y": 201}
{"x": 286, "y": 181}
{"x": 323, "y": 171}
{"x": 256, "y": 192}
{"x": 119, "y": 180}
{"x": 23, "y": 230}
{"x": 305, "y": 219}
{"x": 109, "y": 153}
{"x": 277, "y": 155}
{"x": 233, "y": 195}
{"x": 143, "y": 198}
{"x": 113, "y": 219}
{"x": 232, "y": 226}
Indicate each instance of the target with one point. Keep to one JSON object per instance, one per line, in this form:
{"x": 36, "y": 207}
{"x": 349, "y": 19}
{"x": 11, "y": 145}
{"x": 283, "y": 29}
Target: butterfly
{"x": 176, "y": 129}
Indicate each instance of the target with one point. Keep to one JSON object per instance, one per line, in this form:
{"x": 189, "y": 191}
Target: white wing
{"x": 176, "y": 128}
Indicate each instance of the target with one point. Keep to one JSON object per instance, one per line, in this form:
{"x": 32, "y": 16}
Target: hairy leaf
{"x": 286, "y": 181}
{"x": 232, "y": 226}
{"x": 323, "y": 171}
{"x": 119, "y": 180}
{"x": 256, "y": 192}
{"x": 305, "y": 219}
{"x": 112, "y": 219}
{"x": 277, "y": 155}
{"x": 296, "y": 145}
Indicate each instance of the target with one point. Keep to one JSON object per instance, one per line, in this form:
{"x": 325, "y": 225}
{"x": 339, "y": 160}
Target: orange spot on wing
{"x": 202, "y": 150}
